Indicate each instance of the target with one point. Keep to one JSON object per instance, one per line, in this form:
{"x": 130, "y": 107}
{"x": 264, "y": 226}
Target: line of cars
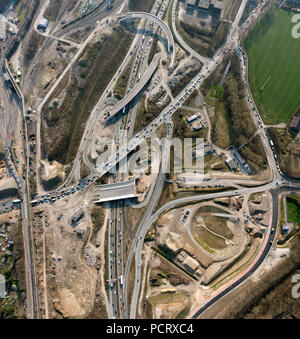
{"x": 243, "y": 59}
{"x": 155, "y": 123}
{"x": 7, "y": 206}
{"x": 57, "y": 195}
{"x": 85, "y": 183}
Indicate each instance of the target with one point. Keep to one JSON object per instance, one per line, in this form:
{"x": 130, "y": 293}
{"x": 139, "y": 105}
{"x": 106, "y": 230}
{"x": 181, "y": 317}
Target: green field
{"x": 293, "y": 210}
{"x": 274, "y": 62}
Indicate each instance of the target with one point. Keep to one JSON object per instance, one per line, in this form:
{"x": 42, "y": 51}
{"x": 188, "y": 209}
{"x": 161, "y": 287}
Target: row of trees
{"x": 210, "y": 40}
{"x": 241, "y": 122}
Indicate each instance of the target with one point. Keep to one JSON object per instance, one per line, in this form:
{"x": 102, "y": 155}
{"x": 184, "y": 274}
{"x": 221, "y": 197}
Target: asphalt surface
{"x": 134, "y": 142}
{"x": 159, "y": 185}
{"x": 136, "y": 90}
{"x": 182, "y": 43}
{"x": 164, "y": 27}
{"x": 138, "y": 241}
{"x": 116, "y": 265}
{"x": 271, "y": 235}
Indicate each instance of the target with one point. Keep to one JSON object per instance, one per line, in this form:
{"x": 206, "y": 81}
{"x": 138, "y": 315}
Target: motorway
{"x": 144, "y": 227}
{"x": 124, "y": 150}
{"x": 139, "y": 238}
{"x": 164, "y": 27}
{"x": 159, "y": 185}
{"x": 135, "y": 141}
{"x": 94, "y": 117}
{"x": 259, "y": 260}
{"x": 97, "y": 109}
{"x": 141, "y": 64}
{"x": 8, "y": 126}
{"x": 135, "y": 91}
{"x": 118, "y": 291}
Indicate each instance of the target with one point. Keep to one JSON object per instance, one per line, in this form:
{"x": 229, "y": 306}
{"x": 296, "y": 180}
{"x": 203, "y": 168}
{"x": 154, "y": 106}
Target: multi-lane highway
{"x": 138, "y": 241}
{"x": 269, "y": 240}
{"x": 162, "y": 25}
{"x": 135, "y": 91}
{"x": 132, "y": 144}
{"x": 141, "y": 63}
{"x": 9, "y": 126}
{"x": 118, "y": 273}
{"x": 159, "y": 185}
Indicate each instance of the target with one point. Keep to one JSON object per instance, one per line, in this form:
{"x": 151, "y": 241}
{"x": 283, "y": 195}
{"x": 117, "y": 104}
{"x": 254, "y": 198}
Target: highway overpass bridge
{"x": 134, "y": 92}
{"x": 115, "y": 191}
{"x": 158, "y": 21}
{"x": 152, "y": 67}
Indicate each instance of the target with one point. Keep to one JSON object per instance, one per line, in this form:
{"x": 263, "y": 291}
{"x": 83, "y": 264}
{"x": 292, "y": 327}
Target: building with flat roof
{"x": 211, "y": 6}
{"x": 239, "y": 158}
{"x": 43, "y": 24}
{"x": 192, "y": 118}
{"x": 232, "y": 165}
{"x": 6, "y": 76}
{"x": 217, "y": 4}
{"x": 191, "y": 3}
{"x": 295, "y": 124}
{"x": 204, "y": 4}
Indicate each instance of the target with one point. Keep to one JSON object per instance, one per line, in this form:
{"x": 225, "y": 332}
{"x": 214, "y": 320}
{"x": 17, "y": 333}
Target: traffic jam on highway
{"x": 133, "y": 143}
{"x": 116, "y": 278}
{"x": 243, "y": 60}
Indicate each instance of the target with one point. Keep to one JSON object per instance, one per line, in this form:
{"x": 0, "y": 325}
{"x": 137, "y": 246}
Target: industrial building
{"x": 239, "y": 158}
{"x": 190, "y": 4}
{"x": 192, "y": 118}
{"x": 295, "y": 125}
{"x": 43, "y": 24}
{"x": 204, "y": 5}
{"x": 242, "y": 163}
{"x": 232, "y": 165}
